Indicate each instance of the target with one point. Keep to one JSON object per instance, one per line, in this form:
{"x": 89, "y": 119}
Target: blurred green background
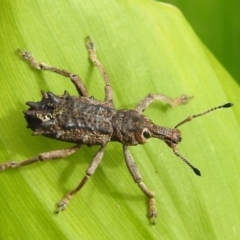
{"x": 217, "y": 23}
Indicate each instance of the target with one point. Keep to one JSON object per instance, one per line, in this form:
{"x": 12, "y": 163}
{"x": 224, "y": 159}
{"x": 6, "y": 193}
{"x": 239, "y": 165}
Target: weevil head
{"x": 132, "y": 128}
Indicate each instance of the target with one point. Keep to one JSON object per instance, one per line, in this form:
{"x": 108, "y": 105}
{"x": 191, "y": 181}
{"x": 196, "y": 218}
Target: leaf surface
{"x": 146, "y": 47}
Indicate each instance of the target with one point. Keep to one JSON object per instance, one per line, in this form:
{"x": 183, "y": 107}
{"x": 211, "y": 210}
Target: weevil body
{"x": 85, "y": 121}
{"x": 88, "y": 121}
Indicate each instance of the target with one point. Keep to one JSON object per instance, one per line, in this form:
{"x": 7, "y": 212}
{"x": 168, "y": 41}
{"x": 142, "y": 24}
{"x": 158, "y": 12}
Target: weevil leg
{"x": 145, "y": 102}
{"x": 90, "y": 171}
{"x": 27, "y": 56}
{"x": 57, "y": 154}
{"x": 93, "y": 56}
{"x": 133, "y": 169}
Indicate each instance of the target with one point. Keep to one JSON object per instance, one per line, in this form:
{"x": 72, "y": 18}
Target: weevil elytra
{"x": 85, "y": 120}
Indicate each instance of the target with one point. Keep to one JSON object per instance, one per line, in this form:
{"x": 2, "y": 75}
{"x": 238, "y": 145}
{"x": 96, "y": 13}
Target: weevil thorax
{"x": 131, "y": 128}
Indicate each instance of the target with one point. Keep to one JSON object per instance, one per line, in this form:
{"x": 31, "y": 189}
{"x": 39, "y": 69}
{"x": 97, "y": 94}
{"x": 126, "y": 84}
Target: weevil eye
{"x": 145, "y": 134}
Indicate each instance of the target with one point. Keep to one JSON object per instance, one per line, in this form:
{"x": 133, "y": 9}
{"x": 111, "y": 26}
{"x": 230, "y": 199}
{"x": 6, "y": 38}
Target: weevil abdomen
{"x": 71, "y": 119}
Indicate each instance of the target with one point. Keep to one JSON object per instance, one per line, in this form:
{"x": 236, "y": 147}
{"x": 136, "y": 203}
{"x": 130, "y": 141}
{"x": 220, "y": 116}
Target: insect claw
{"x": 185, "y": 98}
{"x": 63, "y": 204}
{"x": 90, "y": 44}
{"x": 24, "y": 54}
{"x": 10, "y": 164}
{"x": 153, "y": 220}
{"x": 27, "y": 56}
{"x": 152, "y": 212}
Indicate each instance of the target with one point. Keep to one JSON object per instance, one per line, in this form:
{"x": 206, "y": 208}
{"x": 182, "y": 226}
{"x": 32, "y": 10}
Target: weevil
{"x": 84, "y": 120}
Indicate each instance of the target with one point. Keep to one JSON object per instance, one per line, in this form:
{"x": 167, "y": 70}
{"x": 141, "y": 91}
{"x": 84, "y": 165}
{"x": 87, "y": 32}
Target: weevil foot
{"x": 152, "y": 211}
{"x": 27, "y": 56}
{"x": 10, "y": 164}
{"x": 63, "y": 204}
{"x": 183, "y": 99}
{"x": 92, "y": 51}
{"x": 90, "y": 44}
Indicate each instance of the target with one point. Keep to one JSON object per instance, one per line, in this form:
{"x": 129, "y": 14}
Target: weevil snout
{"x": 168, "y": 135}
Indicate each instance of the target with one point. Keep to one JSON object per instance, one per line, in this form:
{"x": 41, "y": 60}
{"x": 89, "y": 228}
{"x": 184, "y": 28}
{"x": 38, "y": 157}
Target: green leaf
{"x": 146, "y": 47}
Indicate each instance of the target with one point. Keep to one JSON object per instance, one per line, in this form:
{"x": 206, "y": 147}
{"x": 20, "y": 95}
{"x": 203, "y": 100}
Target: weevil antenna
{"x": 197, "y": 172}
{"x": 190, "y": 118}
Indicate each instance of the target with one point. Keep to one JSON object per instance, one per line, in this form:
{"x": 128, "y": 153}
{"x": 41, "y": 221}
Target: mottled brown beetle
{"x": 84, "y": 120}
